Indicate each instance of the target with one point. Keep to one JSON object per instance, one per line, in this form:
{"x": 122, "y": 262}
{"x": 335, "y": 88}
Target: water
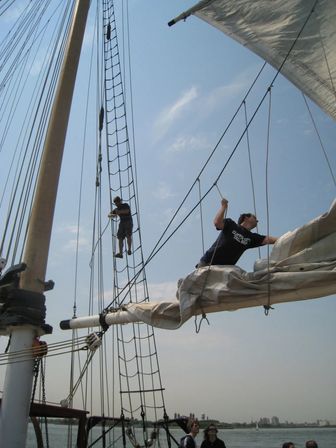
{"x": 233, "y": 438}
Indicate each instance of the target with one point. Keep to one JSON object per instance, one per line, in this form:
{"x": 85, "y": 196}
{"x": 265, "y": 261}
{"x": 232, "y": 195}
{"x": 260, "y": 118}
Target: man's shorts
{"x": 125, "y": 229}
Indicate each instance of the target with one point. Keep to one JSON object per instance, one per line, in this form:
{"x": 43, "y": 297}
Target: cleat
{"x": 129, "y": 252}
{"x": 119, "y": 255}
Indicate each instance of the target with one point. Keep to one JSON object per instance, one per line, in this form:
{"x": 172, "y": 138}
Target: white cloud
{"x": 162, "y": 291}
{"x": 69, "y": 233}
{"x": 163, "y": 191}
{"x": 225, "y": 92}
{"x": 188, "y": 143}
{"x": 71, "y": 245}
{"x": 169, "y": 116}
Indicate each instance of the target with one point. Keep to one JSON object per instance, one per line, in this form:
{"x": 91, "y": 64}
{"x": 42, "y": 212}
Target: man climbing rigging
{"x": 125, "y": 225}
{"x": 233, "y": 239}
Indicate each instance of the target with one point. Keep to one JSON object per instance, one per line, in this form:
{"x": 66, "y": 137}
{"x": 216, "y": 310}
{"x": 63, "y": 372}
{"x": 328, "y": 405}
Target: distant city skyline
{"x": 267, "y": 421}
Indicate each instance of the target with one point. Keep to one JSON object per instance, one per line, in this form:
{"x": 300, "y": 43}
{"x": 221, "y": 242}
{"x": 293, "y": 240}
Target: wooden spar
{"x": 40, "y": 224}
{"x": 19, "y": 376}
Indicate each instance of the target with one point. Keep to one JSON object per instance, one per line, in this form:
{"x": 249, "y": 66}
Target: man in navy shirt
{"x": 233, "y": 239}
{"x": 125, "y": 225}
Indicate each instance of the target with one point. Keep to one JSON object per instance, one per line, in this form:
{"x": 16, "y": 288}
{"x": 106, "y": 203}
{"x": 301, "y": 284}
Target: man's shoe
{"x": 119, "y": 255}
{"x": 129, "y": 252}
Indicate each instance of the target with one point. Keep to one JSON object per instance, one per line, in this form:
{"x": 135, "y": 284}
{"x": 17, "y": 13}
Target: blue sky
{"x": 188, "y": 81}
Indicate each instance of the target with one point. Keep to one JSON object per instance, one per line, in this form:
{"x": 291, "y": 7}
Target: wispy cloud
{"x": 69, "y": 233}
{"x": 162, "y": 291}
{"x": 71, "y": 245}
{"x": 224, "y": 93}
{"x": 170, "y": 115}
{"x": 203, "y": 104}
{"x": 188, "y": 144}
{"x": 163, "y": 191}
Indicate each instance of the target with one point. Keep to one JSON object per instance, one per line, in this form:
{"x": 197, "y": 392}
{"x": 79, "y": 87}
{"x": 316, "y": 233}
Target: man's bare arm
{"x": 218, "y": 220}
{"x": 269, "y": 240}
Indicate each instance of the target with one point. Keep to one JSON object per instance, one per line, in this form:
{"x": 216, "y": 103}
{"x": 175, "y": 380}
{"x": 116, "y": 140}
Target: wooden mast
{"x": 19, "y": 376}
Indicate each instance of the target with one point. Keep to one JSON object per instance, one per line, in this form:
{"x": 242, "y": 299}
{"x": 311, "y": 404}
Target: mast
{"x": 19, "y": 376}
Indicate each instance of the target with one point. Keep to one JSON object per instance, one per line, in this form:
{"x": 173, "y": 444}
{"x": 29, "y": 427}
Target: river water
{"x": 234, "y": 438}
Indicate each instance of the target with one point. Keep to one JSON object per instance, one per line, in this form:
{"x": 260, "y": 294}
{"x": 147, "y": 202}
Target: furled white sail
{"x": 269, "y": 29}
{"x": 302, "y": 266}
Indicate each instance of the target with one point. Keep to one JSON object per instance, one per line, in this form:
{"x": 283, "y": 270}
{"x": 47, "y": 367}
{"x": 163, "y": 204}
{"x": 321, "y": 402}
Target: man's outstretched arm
{"x": 269, "y": 240}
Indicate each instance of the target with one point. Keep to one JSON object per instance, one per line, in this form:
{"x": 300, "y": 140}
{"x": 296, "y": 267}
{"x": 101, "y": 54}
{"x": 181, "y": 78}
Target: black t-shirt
{"x": 125, "y": 218}
{"x": 231, "y": 243}
{"x": 218, "y": 443}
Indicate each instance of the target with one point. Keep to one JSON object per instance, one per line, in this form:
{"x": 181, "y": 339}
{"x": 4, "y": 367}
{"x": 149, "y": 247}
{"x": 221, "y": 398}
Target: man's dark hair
{"x": 311, "y": 444}
{"x": 243, "y": 216}
{"x": 288, "y": 445}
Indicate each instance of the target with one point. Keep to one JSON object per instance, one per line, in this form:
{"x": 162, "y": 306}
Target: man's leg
{"x": 129, "y": 244}
{"x": 121, "y": 244}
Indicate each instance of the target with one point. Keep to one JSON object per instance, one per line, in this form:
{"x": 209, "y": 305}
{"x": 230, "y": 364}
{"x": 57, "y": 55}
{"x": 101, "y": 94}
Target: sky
{"x": 187, "y": 82}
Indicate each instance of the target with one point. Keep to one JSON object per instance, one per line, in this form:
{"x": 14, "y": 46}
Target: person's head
{"x": 311, "y": 444}
{"x": 248, "y": 220}
{"x": 288, "y": 445}
{"x": 210, "y": 433}
{"x": 193, "y": 426}
{"x": 117, "y": 201}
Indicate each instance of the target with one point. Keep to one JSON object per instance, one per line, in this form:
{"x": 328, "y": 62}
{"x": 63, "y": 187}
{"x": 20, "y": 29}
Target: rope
{"x": 251, "y": 171}
{"x": 24, "y": 355}
{"x": 201, "y": 215}
{"x": 197, "y": 328}
{"x": 268, "y": 306}
{"x": 31, "y": 134}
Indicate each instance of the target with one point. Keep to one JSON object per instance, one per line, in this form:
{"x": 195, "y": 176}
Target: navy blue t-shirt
{"x": 231, "y": 243}
{"x": 126, "y": 217}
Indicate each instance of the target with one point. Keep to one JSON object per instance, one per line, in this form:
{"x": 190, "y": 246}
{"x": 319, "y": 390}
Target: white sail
{"x": 302, "y": 266}
{"x": 270, "y": 28}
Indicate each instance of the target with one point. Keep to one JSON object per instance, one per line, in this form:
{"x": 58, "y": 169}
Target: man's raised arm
{"x": 218, "y": 220}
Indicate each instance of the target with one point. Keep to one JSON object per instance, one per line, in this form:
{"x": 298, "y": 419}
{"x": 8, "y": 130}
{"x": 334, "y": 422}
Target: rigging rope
{"x": 204, "y": 317}
{"x": 268, "y": 306}
{"x": 201, "y": 214}
{"x": 251, "y": 170}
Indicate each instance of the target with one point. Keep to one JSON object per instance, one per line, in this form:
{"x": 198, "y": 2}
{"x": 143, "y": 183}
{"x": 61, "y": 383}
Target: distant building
{"x": 264, "y": 421}
{"x": 275, "y": 421}
{"x": 323, "y": 423}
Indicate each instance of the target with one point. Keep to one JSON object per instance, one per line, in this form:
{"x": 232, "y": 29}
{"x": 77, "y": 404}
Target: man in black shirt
{"x": 233, "y": 239}
{"x": 125, "y": 225}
